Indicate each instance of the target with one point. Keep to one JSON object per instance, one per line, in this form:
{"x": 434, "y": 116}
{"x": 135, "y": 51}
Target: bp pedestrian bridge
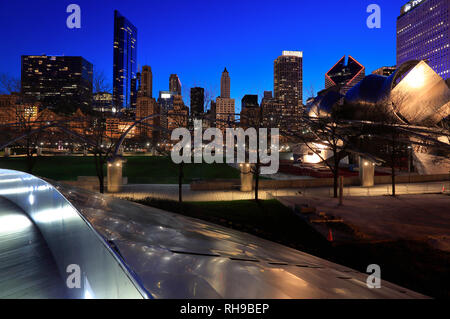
{"x": 62, "y": 242}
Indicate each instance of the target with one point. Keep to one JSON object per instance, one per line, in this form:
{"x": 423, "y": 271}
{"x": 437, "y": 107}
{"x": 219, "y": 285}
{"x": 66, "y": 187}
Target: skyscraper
{"x": 62, "y": 83}
{"x": 250, "y": 111}
{"x": 288, "y": 78}
{"x": 224, "y": 104}
{"x": 345, "y": 76}
{"x": 423, "y": 33}
{"x": 146, "y": 83}
{"x": 225, "y": 88}
{"x": 197, "y": 100}
{"x": 125, "y": 61}
{"x": 175, "y": 84}
{"x": 146, "y": 105}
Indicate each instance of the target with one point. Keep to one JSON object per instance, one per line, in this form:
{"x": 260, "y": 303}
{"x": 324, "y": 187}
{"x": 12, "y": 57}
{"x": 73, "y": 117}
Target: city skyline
{"x": 251, "y": 69}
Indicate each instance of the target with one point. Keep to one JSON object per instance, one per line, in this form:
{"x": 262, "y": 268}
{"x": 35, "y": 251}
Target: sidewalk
{"x": 170, "y": 192}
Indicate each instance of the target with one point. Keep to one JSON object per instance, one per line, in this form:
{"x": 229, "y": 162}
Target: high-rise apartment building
{"x": 197, "y": 100}
{"x": 423, "y": 33}
{"x": 345, "y": 76}
{"x": 175, "y": 84}
{"x": 288, "y": 78}
{"x": 61, "y": 83}
{"x": 125, "y": 62}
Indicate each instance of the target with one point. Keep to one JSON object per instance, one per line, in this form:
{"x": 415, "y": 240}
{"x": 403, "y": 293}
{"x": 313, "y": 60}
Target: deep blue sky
{"x": 197, "y": 38}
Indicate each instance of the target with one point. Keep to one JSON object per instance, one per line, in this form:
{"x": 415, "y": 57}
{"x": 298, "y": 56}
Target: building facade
{"x": 61, "y": 83}
{"x": 385, "y": 70}
{"x": 288, "y": 78}
{"x": 250, "y": 111}
{"x": 345, "y": 75}
{"x": 224, "y": 105}
{"x": 423, "y": 33}
{"x": 125, "y": 63}
{"x": 225, "y": 85}
{"x": 147, "y": 106}
{"x": 197, "y": 101}
{"x": 175, "y": 84}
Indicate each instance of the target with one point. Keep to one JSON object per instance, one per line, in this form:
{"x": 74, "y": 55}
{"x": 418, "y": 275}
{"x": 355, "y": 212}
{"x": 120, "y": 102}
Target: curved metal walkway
{"x": 27, "y": 268}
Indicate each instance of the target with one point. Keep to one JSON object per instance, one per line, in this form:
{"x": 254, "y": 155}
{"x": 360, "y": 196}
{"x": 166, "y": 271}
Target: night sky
{"x": 197, "y": 39}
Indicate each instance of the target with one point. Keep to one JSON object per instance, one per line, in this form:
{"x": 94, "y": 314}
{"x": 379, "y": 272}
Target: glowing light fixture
{"x": 416, "y": 78}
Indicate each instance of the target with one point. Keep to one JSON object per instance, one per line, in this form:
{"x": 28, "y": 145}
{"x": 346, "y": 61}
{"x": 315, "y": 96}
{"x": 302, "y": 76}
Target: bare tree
{"x": 100, "y": 84}
{"x": 9, "y": 84}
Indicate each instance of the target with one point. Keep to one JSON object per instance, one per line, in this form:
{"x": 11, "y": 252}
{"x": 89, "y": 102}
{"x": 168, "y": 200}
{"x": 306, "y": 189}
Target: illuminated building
{"x": 224, "y": 104}
{"x": 61, "y": 83}
{"x": 423, "y": 33}
{"x": 343, "y": 75}
{"x": 385, "y": 70}
{"x": 103, "y": 102}
{"x": 146, "y": 105}
{"x": 288, "y": 78}
{"x": 125, "y": 61}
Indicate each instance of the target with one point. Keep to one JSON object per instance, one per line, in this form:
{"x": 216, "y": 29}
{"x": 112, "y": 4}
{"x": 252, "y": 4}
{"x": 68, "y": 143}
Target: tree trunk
{"x": 256, "y": 182}
{"x": 393, "y": 158}
{"x": 335, "y": 174}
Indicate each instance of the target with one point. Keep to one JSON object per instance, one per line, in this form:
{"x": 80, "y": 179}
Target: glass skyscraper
{"x": 423, "y": 33}
{"x": 125, "y": 63}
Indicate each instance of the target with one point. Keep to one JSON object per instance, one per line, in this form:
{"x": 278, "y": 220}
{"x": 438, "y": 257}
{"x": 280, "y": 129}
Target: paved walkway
{"x": 164, "y": 191}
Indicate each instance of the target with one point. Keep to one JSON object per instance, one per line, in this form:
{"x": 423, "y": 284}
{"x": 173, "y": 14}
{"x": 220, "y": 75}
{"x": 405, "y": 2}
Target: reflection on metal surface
{"x": 180, "y": 257}
{"x": 69, "y": 237}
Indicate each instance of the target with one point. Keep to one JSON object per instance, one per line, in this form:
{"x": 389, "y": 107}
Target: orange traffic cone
{"x": 330, "y": 235}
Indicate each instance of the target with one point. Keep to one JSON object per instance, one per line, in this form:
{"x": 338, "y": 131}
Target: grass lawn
{"x": 138, "y": 169}
{"x": 410, "y": 264}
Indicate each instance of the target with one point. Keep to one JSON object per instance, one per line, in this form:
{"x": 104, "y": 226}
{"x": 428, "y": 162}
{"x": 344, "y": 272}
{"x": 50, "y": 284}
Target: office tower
{"x": 224, "y": 112}
{"x": 385, "y": 70}
{"x": 225, "y": 88}
{"x": 125, "y": 62}
{"x": 103, "y": 102}
{"x": 175, "y": 84}
{"x": 345, "y": 76}
{"x": 146, "y": 106}
{"x": 197, "y": 100}
{"x": 288, "y": 78}
{"x": 250, "y": 111}
{"x": 423, "y": 33}
{"x": 172, "y": 110}
{"x": 146, "y": 82}
{"x": 224, "y": 104}
{"x": 61, "y": 83}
